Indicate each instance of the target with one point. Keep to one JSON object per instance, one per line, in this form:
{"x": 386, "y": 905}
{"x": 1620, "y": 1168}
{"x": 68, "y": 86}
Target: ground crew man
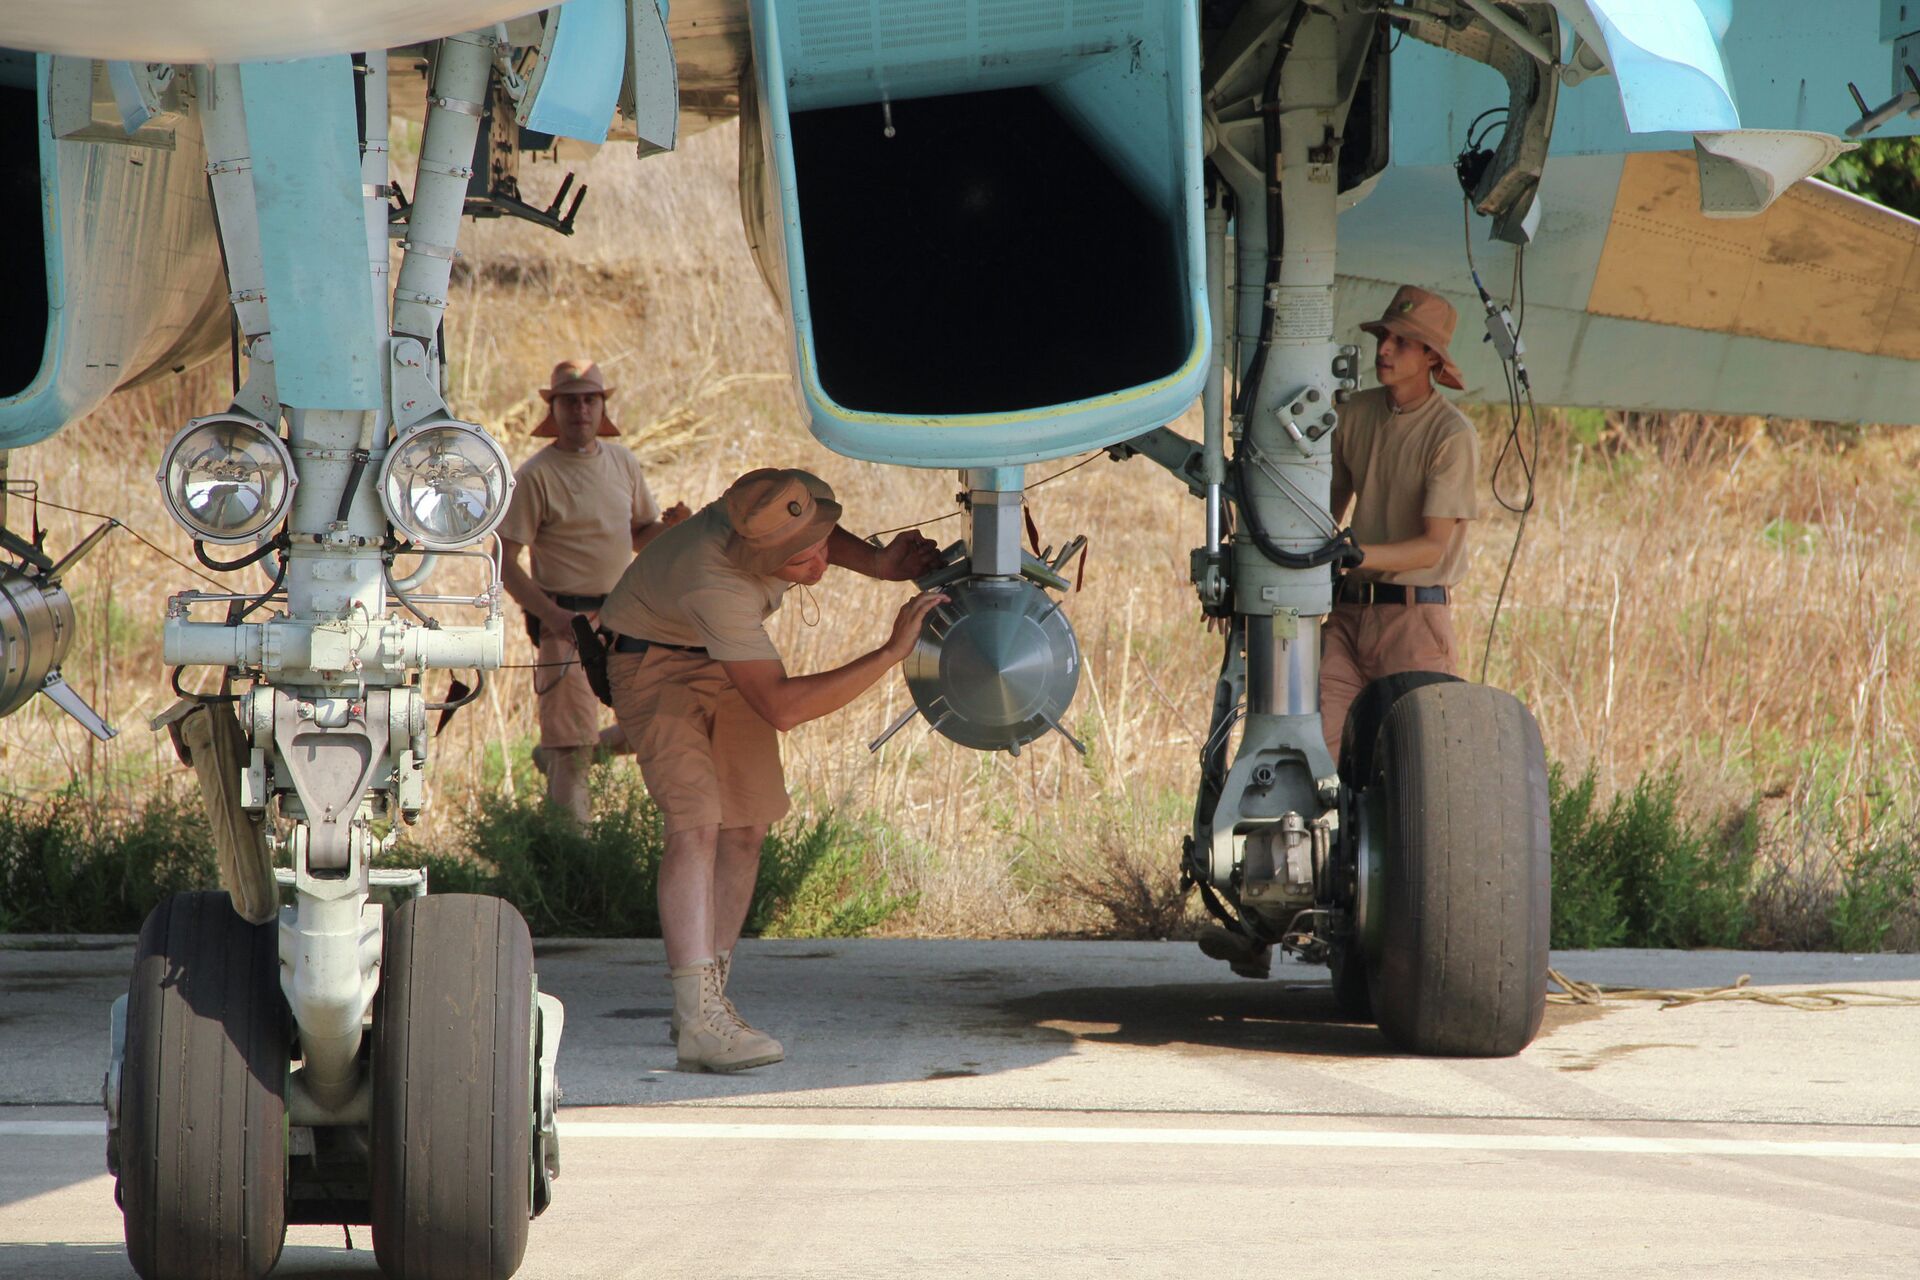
{"x": 583, "y": 508}
{"x": 1411, "y": 462}
{"x": 702, "y": 695}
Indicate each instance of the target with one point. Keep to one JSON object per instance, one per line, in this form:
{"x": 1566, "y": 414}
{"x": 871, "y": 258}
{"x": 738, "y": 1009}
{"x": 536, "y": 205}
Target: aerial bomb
{"x": 997, "y": 665}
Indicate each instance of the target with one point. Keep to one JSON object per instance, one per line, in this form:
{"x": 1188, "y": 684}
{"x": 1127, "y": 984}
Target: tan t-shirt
{"x": 682, "y": 589}
{"x": 1403, "y": 467}
{"x": 577, "y": 512}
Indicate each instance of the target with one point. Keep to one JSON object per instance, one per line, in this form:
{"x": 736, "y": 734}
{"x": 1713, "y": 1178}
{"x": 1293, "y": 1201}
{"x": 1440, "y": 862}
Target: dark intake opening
{"x": 985, "y": 258}
{"x": 23, "y": 267}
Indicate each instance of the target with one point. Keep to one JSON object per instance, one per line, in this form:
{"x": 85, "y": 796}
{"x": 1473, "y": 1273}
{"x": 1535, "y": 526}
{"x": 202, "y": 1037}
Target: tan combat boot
{"x": 712, "y": 1036}
{"x": 722, "y": 961}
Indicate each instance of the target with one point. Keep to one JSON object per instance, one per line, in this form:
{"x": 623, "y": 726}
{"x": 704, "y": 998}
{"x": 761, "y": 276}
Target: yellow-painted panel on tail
{"x": 1821, "y": 268}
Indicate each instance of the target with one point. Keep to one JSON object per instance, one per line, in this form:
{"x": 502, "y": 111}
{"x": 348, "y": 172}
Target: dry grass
{"x": 1725, "y": 600}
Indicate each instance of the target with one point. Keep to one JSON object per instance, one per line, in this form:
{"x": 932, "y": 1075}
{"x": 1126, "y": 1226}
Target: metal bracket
{"x": 503, "y": 201}
{"x": 64, "y": 696}
{"x": 416, "y": 394}
{"x": 1305, "y": 416}
{"x": 550, "y": 1019}
{"x": 331, "y": 749}
{"x": 1167, "y": 448}
{"x": 1871, "y": 118}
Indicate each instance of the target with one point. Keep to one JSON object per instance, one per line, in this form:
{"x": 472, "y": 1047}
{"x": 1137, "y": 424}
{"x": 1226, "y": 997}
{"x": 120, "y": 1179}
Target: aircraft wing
{"x": 1633, "y": 300}
{"x": 1636, "y": 297}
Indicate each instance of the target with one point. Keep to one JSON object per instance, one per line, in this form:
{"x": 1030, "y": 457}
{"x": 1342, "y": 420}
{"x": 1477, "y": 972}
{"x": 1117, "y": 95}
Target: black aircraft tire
{"x": 1369, "y": 712}
{"x": 203, "y": 1095}
{"x": 1460, "y": 798}
{"x": 453, "y": 1091}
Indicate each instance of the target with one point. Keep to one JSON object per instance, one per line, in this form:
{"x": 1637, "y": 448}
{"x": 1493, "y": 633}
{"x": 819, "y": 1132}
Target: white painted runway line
{"x": 1339, "y": 1139}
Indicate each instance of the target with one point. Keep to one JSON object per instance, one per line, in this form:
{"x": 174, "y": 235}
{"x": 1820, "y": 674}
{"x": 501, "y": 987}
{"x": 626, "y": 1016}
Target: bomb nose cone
{"x": 997, "y": 667}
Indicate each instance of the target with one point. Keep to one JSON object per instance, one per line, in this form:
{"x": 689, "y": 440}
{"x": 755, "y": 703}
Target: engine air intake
{"x": 985, "y": 218}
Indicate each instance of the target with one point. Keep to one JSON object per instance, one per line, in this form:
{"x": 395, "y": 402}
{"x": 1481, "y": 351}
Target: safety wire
{"x": 918, "y": 524}
{"x": 18, "y": 486}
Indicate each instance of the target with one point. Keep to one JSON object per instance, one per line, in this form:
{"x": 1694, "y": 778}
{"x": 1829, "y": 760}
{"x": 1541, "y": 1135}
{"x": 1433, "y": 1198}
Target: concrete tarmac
{"x": 1119, "y": 1109}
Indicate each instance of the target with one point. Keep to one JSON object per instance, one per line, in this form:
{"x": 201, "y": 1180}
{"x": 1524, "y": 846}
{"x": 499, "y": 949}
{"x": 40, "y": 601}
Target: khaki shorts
{"x": 1359, "y": 643}
{"x": 569, "y": 714}
{"x": 707, "y": 757}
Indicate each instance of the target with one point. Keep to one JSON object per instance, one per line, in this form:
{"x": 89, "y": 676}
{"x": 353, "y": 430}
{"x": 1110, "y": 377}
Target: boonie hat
{"x": 570, "y": 377}
{"x": 1424, "y": 317}
{"x": 775, "y": 514}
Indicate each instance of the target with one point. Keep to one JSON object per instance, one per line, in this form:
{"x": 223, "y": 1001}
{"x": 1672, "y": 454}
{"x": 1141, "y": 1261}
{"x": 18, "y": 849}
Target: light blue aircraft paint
{"x": 313, "y": 241}
{"x": 1666, "y": 61}
{"x": 586, "y": 59}
{"x": 1124, "y": 73}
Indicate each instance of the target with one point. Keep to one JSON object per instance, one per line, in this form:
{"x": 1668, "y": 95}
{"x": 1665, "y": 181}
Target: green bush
{"x": 816, "y": 878}
{"x": 65, "y": 871}
{"x": 1877, "y": 906}
{"x": 1641, "y": 873}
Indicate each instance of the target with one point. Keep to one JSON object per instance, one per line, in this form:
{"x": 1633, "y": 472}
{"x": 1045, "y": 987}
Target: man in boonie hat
{"x": 702, "y": 695}
{"x": 1410, "y": 462}
{"x": 583, "y": 508}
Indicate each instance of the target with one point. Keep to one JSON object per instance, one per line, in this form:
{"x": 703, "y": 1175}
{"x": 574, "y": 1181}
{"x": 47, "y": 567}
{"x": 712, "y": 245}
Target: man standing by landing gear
{"x": 583, "y": 508}
{"x": 703, "y": 696}
{"x": 1410, "y": 461}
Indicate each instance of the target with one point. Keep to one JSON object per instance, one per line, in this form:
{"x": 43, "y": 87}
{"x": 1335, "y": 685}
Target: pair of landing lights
{"x": 229, "y": 478}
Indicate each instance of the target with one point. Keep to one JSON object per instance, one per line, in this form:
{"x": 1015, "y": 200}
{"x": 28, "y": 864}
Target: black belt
{"x": 579, "y": 604}
{"x": 634, "y": 644}
{"x": 1363, "y": 591}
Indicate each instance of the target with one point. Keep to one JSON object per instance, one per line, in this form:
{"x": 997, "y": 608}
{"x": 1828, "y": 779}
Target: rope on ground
{"x": 1573, "y": 991}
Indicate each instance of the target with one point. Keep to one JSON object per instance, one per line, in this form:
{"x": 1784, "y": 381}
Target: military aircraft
{"x": 1003, "y": 231}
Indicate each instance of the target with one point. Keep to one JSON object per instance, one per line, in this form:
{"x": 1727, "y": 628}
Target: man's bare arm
{"x": 784, "y": 701}
{"x": 910, "y": 554}
{"x": 1409, "y": 554}
{"x": 1340, "y": 494}
{"x": 646, "y": 531}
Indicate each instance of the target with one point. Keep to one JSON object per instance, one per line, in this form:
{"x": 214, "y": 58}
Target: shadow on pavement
{"x": 1243, "y": 1017}
{"x": 109, "y": 1261}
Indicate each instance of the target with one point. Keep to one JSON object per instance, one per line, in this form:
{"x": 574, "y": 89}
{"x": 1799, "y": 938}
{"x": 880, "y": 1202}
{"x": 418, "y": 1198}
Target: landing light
{"x": 227, "y": 478}
{"x": 445, "y": 485}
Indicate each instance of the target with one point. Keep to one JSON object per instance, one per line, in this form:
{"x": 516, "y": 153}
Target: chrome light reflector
{"x": 445, "y": 485}
{"x": 227, "y": 478}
